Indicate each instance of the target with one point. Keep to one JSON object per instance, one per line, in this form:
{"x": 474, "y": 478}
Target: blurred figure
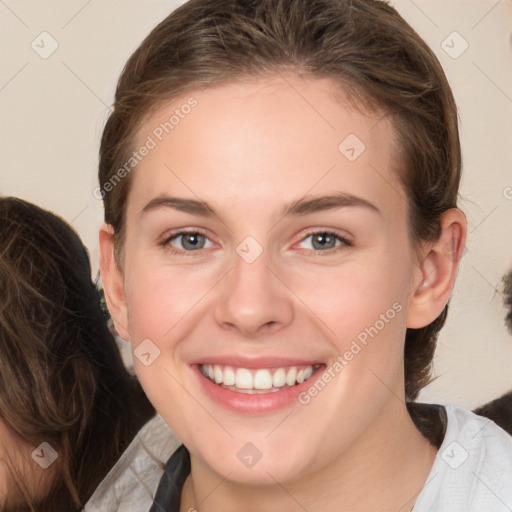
{"x": 68, "y": 406}
{"x": 500, "y": 410}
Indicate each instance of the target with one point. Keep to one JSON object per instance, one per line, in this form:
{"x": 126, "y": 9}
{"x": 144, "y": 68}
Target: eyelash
{"x": 166, "y": 243}
{"x": 344, "y": 242}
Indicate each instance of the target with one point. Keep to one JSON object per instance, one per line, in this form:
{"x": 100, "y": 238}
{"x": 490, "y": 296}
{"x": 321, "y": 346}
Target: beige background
{"x": 53, "y": 111}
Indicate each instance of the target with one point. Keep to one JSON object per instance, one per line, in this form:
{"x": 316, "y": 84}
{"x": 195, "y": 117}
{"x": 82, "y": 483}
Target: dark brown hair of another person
{"x": 62, "y": 379}
{"x": 500, "y": 410}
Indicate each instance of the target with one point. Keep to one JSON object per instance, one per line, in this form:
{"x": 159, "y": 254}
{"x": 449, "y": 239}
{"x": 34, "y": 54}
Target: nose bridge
{"x": 253, "y": 298}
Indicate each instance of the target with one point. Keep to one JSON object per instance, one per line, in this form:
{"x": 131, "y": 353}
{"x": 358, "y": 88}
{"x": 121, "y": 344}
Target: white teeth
{"x": 217, "y": 372}
{"x": 291, "y": 376}
{"x": 229, "y": 376}
{"x": 262, "y": 380}
{"x": 248, "y": 381}
{"x": 279, "y": 378}
{"x": 243, "y": 379}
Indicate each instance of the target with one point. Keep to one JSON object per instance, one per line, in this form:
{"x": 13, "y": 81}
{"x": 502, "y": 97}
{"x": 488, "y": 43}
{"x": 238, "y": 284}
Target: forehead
{"x": 268, "y": 140}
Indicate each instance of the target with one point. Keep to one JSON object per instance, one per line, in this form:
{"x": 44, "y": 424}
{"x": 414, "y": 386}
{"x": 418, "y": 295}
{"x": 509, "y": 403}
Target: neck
{"x": 385, "y": 469}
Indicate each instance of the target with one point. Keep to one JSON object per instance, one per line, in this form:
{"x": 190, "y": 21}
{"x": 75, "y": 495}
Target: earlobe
{"x": 438, "y": 271}
{"x": 112, "y": 279}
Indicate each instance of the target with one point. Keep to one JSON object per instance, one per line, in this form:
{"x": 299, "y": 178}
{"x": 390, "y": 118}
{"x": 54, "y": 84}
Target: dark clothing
{"x": 168, "y": 494}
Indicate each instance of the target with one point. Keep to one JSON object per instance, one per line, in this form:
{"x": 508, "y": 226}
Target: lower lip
{"x": 254, "y": 403}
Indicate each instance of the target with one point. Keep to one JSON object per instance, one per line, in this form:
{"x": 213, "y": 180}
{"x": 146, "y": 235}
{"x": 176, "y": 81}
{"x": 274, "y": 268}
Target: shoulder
{"x": 473, "y": 468}
{"x": 132, "y": 482}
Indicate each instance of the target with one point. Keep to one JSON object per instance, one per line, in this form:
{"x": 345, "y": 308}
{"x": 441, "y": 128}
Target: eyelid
{"x": 166, "y": 241}
{"x": 345, "y": 237}
{"x": 346, "y": 241}
{"x": 184, "y": 231}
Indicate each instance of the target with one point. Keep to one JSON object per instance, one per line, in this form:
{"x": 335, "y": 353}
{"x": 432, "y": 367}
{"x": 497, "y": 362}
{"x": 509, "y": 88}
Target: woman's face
{"x": 296, "y": 264}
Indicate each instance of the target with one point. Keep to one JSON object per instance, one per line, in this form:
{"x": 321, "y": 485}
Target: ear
{"x": 437, "y": 271}
{"x": 113, "y": 281}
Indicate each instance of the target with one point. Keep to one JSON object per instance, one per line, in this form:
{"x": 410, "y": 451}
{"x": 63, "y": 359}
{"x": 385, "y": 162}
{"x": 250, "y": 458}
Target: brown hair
{"x": 62, "y": 379}
{"x": 363, "y": 45}
{"x": 507, "y": 299}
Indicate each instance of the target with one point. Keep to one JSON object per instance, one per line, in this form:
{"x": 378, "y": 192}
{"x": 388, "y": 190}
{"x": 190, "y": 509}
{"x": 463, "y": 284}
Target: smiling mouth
{"x": 257, "y": 381}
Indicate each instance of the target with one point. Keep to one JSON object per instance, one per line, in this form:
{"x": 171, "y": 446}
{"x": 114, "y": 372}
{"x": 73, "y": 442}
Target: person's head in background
{"x": 500, "y": 409}
{"x": 507, "y": 300}
{"x": 62, "y": 380}
{"x": 249, "y": 107}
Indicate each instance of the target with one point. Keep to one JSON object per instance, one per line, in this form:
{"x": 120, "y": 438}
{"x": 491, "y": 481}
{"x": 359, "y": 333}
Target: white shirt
{"x": 472, "y": 471}
{"x": 131, "y": 484}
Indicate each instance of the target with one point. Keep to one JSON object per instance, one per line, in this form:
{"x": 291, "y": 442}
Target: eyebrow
{"x": 300, "y": 207}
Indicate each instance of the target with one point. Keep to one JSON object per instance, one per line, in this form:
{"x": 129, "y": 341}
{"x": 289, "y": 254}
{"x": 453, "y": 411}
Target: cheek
{"x": 349, "y": 298}
{"x": 160, "y": 296}
{"x": 164, "y": 305}
{"x": 360, "y": 307}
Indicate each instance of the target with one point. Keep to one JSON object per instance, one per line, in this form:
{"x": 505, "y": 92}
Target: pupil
{"x": 191, "y": 241}
{"x": 324, "y": 240}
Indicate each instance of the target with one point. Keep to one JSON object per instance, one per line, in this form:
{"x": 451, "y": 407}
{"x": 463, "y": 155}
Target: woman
{"x": 68, "y": 407}
{"x": 280, "y": 182}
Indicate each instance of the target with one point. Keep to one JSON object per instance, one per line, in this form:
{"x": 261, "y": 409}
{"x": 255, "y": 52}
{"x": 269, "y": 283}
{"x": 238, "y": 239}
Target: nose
{"x": 254, "y": 301}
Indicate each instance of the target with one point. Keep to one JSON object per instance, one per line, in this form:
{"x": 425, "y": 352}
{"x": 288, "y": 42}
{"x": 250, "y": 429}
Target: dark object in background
{"x": 500, "y": 410}
{"x": 507, "y": 299}
{"x": 62, "y": 379}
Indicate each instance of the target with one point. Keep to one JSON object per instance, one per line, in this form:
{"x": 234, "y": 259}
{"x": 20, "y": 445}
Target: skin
{"x": 248, "y": 149}
{"x": 16, "y": 464}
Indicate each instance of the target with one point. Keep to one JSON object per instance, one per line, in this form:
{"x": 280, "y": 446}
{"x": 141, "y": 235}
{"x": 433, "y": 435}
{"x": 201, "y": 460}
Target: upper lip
{"x": 254, "y": 362}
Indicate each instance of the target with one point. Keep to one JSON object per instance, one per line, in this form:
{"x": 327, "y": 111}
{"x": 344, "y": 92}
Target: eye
{"x": 186, "y": 241}
{"x": 326, "y": 241}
